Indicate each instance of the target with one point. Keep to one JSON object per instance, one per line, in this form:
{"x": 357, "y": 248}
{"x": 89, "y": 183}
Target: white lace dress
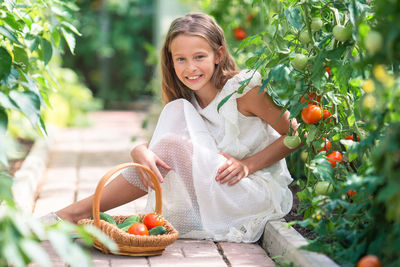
{"x": 189, "y": 139}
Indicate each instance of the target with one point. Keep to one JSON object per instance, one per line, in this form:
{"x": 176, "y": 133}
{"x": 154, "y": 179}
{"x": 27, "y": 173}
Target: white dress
{"x": 189, "y": 139}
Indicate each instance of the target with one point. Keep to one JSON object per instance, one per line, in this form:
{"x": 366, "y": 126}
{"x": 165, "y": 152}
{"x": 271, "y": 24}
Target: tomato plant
{"x": 346, "y": 53}
{"x": 152, "y": 220}
{"x": 138, "y": 229}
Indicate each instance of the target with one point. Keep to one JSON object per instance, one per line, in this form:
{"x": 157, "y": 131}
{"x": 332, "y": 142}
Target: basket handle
{"x": 108, "y": 175}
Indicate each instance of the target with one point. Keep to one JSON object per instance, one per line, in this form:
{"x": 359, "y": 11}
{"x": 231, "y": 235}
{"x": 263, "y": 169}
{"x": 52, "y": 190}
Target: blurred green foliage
{"x": 111, "y": 52}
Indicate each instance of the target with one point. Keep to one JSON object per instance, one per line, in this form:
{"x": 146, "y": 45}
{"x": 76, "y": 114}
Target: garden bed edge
{"x": 283, "y": 243}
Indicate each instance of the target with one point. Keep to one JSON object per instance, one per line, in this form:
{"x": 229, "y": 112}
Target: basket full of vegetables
{"x": 136, "y": 235}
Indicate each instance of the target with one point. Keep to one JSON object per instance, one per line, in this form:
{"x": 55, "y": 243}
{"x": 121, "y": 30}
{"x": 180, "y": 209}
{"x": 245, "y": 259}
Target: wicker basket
{"x": 130, "y": 245}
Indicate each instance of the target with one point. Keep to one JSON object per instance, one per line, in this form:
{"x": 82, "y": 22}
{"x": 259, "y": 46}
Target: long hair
{"x": 202, "y": 25}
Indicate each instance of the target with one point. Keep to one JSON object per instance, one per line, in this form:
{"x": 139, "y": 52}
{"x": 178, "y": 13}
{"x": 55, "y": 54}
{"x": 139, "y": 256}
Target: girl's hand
{"x": 232, "y": 170}
{"x": 142, "y": 155}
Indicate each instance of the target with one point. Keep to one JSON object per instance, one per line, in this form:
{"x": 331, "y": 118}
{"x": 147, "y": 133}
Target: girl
{"x": 222, "y": 172}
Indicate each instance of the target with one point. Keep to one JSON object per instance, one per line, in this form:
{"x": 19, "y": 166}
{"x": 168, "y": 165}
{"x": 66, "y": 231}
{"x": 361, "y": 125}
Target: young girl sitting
{"x": 222, "y": 172}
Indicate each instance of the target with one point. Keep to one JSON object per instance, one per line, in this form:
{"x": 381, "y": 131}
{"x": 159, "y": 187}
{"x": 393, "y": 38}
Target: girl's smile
{"x": 194, "y": 63}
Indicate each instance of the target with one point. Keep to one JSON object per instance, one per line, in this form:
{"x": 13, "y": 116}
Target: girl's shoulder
{"x": 247, "y": 78}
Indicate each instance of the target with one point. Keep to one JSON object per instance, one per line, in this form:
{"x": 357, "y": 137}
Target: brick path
{"x": 79, "y": 157}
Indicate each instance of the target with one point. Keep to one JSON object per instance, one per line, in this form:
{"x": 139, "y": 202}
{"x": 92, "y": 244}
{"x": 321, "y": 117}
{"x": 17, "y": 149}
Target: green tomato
{"x": 316, "y": 24}
{"x": 304, "y": 37}
{"x": 299, "y": 61}
{"x": 373, "y": 42}
{"x": 323, "y": 188}
{"x": 342, "y": 33}
{"x": 292, "y": 141}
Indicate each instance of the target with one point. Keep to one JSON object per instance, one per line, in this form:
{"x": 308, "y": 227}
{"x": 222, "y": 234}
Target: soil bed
{"x": 294, "y": 216}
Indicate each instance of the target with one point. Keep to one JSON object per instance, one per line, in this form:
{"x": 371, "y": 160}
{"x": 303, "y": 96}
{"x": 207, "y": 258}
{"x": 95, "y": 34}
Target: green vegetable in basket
{"x": 158, "y": 230}
{"x": 124, "y": 226}
{"x": 107, "y": 218}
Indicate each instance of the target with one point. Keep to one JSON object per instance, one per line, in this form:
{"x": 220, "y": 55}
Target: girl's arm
{"x": 142, "y": 155}
{"x": 262, "y": 106}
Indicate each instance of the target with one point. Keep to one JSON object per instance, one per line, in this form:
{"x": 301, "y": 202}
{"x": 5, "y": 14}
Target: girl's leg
{"x": 116, "y": 193}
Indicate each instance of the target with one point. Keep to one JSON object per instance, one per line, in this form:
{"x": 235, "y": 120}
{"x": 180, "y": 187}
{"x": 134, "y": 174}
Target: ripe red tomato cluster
{"x": 150, "y": 221}
{"x": 313, "y": 112}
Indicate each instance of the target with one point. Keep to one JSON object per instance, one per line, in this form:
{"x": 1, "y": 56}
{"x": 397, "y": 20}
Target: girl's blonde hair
{"x": 196, "y": 24}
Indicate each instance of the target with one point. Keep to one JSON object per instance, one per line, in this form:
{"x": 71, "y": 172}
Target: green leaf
{"x": 70, "y": 39}
{"x": 223, "y": 101}
{"x": 297, "y": 108}
{"x": 13, "y": 255}
{"x": 293, "y": 15}
{"x": 20, "y": 56}
{"x": 343, "y": 75}
{"x": 5, "y": 63}
{"x": 35, "y": 252}
{"x": 32, "y": 42}
{"x": 70, "y": 252}
{"x": 29, "y": 105}
{"x": 71, "y": 28}
{"x": 351, "y": 119}
{"x": 8, "y": 34}
{"x": 6, "y": 102}
{"x": 312, "y": 133}
{"x": 251, "y": 61}
{"x": 102, "y": 237}
{"x": 47, "y": 50}
{"x": 10, "y": 4}
{"x": 10, "y": 20}
{"x": 321, "y": 168}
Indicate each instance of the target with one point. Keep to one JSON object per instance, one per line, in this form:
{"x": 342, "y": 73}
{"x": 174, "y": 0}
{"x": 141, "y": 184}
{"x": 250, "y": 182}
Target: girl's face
{"x": 194, "y": 61}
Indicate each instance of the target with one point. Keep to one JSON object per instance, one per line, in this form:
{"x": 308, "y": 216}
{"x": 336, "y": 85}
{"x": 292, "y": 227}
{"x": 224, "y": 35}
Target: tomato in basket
{"x": 153, "y": 219}
{"x": 138, "y": 229}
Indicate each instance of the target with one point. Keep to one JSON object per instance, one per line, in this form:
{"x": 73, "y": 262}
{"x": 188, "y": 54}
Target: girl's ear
{"x": 219, "y": 55}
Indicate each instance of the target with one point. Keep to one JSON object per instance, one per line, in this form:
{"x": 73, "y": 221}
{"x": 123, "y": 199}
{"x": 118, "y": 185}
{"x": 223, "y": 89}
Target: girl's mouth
{"x": 194, "y": 78}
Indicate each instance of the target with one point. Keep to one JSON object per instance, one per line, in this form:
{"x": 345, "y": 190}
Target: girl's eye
{"x": 200, "y": 57}
{"x": 180, "y": 59}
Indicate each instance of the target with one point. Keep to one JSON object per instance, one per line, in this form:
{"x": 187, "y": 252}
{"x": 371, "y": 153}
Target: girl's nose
{"x": 191, "y": 66}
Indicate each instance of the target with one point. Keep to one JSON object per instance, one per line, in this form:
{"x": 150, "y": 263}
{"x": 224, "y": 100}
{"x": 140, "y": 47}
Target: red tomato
{"x": 327, "y": 145}
{"x": 310, "y": 98}
{"x": 326, "y": 114}
{"x": 311, "y": 114}
{"x": 328, "y": 70}
{"x": 350, "y": 193}
{"x": 239, "y": 33}
{"x": 152, "y": 220}
{"x": 334, "y": 158}
{"x": 138, "y": 229}
{"x": 351, "y": 137}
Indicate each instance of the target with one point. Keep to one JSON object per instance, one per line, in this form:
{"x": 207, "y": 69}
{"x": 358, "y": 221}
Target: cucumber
{"x": 124, "y": 226}
{"x": 158, "y": 230}
{"x": 107, "y": 218}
